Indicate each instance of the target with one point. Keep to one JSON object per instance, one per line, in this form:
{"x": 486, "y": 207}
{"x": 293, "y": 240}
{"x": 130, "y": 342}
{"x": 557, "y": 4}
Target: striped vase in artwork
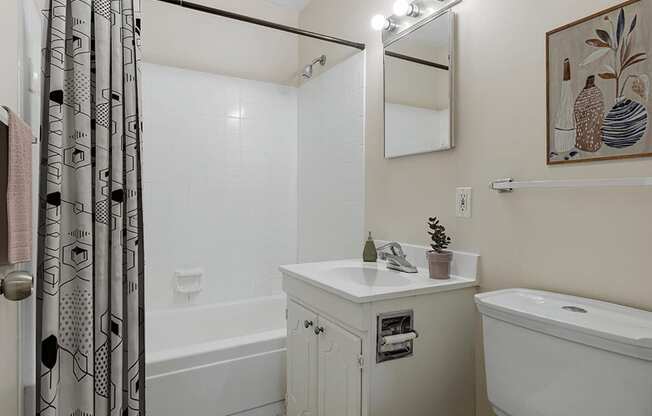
{"x": 589, "y": 113}
{"x": 565, "y": 132}
{"x": 625, "y": 124}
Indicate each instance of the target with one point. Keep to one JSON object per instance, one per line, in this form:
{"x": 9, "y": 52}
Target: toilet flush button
{"x": 574, "y": 309}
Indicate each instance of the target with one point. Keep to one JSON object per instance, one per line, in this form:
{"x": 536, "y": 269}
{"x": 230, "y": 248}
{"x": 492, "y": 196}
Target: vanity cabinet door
{"x": 301, "y": 361}
{"x": 340, "y": 372}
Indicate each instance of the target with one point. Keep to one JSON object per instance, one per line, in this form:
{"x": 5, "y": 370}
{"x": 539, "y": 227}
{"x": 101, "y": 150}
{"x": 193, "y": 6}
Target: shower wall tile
{"x": 331, "y": 163}
{"x": 220, "y": 173}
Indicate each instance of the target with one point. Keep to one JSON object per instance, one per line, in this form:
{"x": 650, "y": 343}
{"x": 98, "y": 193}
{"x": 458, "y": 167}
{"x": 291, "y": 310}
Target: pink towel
{"x": 19, "y": 191}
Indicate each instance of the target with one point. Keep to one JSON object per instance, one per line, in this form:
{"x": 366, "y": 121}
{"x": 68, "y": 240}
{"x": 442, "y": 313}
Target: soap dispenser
{"x": 369, "y": 254}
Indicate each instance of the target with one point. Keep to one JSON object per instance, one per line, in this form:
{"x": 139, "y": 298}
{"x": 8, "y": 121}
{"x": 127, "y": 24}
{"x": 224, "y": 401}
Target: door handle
{"x": 319, "y": 330}
{"x": 307, "y": 324}
{"x": 17, "y": 286}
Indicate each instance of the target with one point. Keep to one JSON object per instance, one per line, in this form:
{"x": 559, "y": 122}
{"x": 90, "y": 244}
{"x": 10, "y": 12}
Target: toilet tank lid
{"x": 600, "y": 324}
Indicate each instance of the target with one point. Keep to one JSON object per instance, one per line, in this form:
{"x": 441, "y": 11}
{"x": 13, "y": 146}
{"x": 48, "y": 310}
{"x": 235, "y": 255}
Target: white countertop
{"x": 361, "y": 282}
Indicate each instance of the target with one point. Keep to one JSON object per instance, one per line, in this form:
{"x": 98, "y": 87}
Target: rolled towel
{"x": 399, "y": 338}
{"x": 17, "y": 174}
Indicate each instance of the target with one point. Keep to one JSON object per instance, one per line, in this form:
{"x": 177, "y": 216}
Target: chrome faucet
{"x": 396, "y": 260}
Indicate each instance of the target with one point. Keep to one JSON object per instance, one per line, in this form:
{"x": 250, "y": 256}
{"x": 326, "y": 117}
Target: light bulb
{"x": 405, "y": 8}
{"x": 401, "y": 7}
{"x": 379, "y": 22}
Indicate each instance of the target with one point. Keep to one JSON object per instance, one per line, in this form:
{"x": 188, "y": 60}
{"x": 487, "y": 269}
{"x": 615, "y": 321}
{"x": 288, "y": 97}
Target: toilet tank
{"x": 548, "y": 354}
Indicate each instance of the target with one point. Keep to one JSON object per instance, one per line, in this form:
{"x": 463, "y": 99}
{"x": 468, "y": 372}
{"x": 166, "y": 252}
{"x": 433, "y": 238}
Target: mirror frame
{"x": 389, "y": 38}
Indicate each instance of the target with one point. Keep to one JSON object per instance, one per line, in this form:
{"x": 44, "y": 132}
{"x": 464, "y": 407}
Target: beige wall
{"x": 8, "y": 310}
{"x": 588, "y": 242}
{"x": 193, "y": 40}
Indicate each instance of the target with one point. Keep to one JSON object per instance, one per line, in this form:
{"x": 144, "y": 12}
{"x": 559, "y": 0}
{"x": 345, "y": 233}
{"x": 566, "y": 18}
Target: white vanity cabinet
{"x": 324, "y": 366}
{"x": 301, "y": 396}
{"x": 337, "y": 348}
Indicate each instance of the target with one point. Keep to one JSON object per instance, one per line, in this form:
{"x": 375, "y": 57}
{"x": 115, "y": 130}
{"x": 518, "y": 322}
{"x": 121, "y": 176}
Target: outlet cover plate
{"x": 463, "y": 202}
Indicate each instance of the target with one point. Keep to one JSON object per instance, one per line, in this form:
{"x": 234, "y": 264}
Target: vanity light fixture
{"x": 405, "y": 13}
{"x": 380, "y": 22}
{"x": 405, "y": 8}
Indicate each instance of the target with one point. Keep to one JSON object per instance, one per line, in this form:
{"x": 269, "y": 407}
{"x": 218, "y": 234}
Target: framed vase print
{"x": 598, "y": 78}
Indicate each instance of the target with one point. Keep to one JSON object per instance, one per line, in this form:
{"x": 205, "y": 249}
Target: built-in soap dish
{"x": 189, "y": 281}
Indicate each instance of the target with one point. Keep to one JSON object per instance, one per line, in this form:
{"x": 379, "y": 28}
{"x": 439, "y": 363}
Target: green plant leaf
{"x": 607, "y": 75}
{"x": 595, "y": 56}
{"x": 438, "y": 235}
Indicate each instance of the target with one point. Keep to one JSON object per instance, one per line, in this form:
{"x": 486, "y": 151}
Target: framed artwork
{"x": 598, "y": 80}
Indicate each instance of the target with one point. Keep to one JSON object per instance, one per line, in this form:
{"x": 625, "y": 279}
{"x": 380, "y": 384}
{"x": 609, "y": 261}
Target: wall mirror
{"x": 418, "y": 65}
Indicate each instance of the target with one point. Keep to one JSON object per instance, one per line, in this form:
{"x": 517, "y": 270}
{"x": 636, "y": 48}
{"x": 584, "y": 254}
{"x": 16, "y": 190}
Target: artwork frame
{"x": 583, "y": 123}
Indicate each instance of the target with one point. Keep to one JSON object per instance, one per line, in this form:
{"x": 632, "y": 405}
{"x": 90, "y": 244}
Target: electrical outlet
{"x": 463, "y": 202}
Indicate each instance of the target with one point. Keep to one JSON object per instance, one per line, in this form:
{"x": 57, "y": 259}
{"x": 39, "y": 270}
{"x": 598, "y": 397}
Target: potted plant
{"x": 439, "y": 259}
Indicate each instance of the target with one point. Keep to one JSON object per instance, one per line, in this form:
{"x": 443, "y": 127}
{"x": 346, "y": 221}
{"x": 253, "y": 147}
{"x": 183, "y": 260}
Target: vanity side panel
{"x": 439, "y": 379}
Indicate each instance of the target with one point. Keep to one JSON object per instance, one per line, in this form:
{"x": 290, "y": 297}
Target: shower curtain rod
{"x": 265, "y": 23}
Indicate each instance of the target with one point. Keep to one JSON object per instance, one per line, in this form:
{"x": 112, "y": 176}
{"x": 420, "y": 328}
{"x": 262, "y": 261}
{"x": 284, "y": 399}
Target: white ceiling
{"x": 295, "y": 4}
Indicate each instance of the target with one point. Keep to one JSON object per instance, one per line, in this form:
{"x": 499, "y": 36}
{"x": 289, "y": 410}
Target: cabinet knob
{"x": 307, "y": 323}
{"x": 319, "y": 330}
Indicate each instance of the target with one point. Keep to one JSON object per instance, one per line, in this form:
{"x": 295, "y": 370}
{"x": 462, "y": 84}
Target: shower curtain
{"x": 90, "y": 316}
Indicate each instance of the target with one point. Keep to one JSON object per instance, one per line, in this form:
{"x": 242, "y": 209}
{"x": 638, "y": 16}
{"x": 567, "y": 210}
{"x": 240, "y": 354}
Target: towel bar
{"x": 508, "y": 184}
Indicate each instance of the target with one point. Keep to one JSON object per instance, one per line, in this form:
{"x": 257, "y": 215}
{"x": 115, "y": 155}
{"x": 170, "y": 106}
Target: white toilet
{"x": 554, "y": 355}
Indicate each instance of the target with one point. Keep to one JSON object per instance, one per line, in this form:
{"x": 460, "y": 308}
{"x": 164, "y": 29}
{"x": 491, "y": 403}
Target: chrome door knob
{"x": 319, "y": 330}
{"x": 16, "y": 286}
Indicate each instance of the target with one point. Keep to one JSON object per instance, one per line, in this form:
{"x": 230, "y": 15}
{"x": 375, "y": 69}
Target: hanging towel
{"x": 16, "y": 177}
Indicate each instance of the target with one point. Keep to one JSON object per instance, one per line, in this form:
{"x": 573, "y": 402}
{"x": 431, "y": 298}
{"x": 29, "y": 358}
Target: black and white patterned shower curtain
{"x": 90, "y": 316}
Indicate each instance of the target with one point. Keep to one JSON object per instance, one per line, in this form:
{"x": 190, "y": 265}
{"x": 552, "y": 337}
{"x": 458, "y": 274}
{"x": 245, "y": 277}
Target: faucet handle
{"x": 394, "y": 247}
{"x": 398, "y": 250}
{"x": 396, "y": 258}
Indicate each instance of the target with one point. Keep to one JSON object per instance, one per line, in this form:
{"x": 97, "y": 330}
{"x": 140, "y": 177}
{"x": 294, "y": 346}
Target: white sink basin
{"x": 367, "y": 282}
{"x": 367, "y": 276}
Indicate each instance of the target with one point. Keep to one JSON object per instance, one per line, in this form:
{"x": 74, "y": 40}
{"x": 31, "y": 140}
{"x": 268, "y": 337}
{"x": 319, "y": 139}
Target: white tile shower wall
{"x": 220, "y": 177}
{"x": 331, "y": 163}
{"x": 410, "y": 130}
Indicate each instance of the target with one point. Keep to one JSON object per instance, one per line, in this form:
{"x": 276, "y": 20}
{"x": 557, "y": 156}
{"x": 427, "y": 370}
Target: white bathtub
{"x": 217, "y": 360}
